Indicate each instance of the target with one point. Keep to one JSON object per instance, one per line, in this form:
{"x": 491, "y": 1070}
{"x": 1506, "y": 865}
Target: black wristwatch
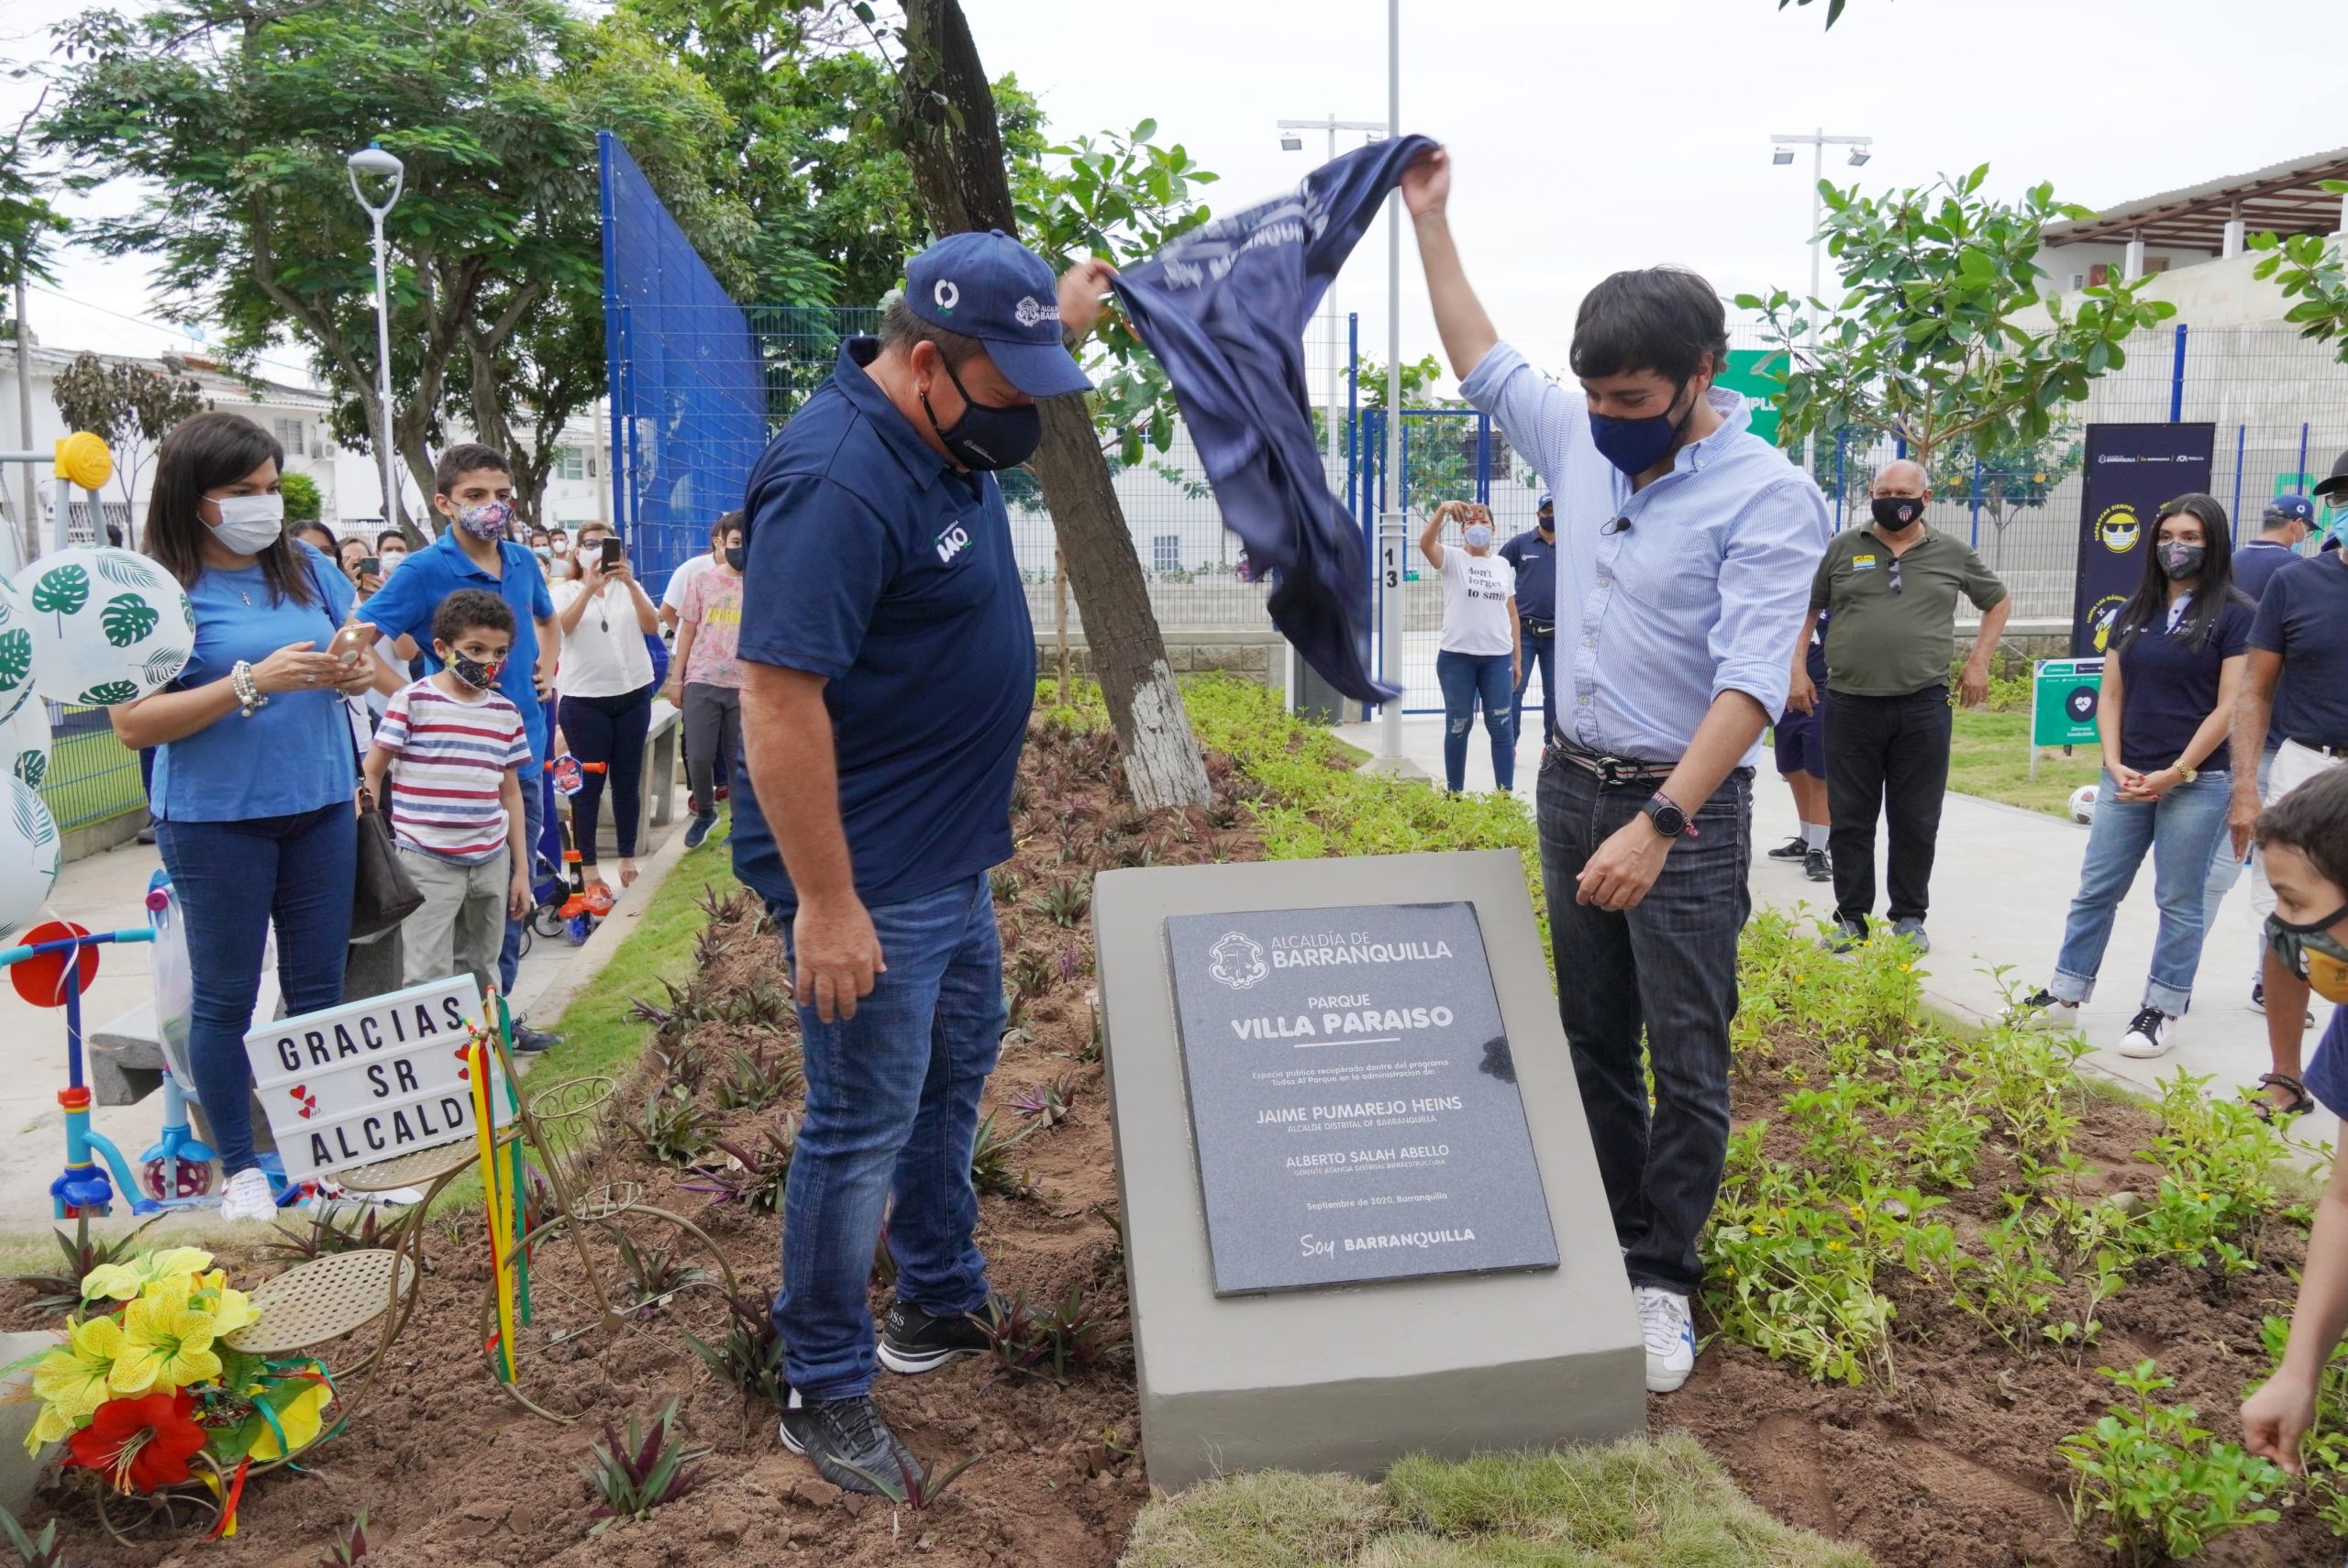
{"x": 1669, "y": 819}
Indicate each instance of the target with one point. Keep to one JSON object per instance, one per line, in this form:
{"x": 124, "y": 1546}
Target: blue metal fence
{"x": 689, "y": 392}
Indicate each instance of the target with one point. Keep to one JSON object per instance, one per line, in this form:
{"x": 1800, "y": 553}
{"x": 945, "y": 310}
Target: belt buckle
{"x": 1612, "y": 772}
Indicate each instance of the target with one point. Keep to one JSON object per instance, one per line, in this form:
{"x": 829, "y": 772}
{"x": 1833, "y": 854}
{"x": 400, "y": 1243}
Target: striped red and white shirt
{"x": 449, "y": 766}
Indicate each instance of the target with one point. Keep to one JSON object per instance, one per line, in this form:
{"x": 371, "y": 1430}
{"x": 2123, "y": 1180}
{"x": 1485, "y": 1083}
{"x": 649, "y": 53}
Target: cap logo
{"x": 1028, "y": 313}
{"x": 948, "y": 294}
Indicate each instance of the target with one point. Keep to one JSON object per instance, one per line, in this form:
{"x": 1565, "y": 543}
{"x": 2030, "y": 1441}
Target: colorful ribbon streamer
{"x": 497, "y": 1199}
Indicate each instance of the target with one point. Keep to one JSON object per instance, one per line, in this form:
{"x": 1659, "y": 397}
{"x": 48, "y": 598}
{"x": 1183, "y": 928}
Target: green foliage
{"x": 2311, "y": 270}
{"x": 349, "y": 1548}
{"x": 1065, "y": 903}
{"x": 991, "y": 1167}
{"x": 1055, "y": 1343}
{"x": 328, "y": 1235}
{"x": 2153, "y": 1481}
{"x": 749, "y": 1358}
{"x": 1925, "y": 343}
{"x": 61, "y": 1291}
{"x": 35, "y": 1552}
{"x": 651, "y": 1469}
{"x": 914, "y": 1490}
{"x": 755, "y": 1174}
{"x": 674, "y": 1129}
{"x": 303, "y": 501}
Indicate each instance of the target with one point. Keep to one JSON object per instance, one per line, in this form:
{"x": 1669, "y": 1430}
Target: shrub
{"x": 2156, "y": 1483}
{"x": 674, "y": 1129}
{"x": 651, "y": 1469}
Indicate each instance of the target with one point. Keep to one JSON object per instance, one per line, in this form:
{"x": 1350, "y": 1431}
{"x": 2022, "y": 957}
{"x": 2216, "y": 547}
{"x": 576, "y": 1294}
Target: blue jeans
{"x": 1541, "y": 650}
{"x": 1661, "y": 975}
{"x": 893, "y": 1110}
{"x": 1467, "y": 679}
{"x": 234, "y": 879}
{"x": 2225, "y": 866}
{"x": 2181, "y": 830}
{"x": 534, "y": 819}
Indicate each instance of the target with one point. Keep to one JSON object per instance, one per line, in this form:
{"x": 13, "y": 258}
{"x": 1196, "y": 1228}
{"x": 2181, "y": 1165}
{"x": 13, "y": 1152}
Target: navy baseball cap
{"x": 1546, "y": 503}
{"x": 2335, "y": 489}
{"x": 991, "y": 287}
{"x": 2291, "y": 509}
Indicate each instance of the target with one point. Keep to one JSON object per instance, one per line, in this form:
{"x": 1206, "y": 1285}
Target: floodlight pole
{"x": 373, "y": 160}
{"x": 1390, "y": 540}
{"x": 1818, "y": 141}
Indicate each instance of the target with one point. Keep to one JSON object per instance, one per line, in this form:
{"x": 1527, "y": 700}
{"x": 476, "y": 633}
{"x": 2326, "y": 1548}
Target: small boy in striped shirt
{"x": 451, "y": 746}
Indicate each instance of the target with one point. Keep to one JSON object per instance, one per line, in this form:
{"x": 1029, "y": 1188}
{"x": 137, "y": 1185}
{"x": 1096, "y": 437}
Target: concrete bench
{"x": 657, "y": 803}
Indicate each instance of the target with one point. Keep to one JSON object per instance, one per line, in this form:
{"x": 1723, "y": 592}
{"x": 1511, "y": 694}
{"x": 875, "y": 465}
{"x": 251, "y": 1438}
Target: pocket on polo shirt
{"x": 1669, "y": 570}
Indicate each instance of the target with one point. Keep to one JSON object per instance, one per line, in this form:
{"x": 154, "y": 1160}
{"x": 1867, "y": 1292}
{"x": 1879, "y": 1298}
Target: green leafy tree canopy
{"x": 303, "y": 501}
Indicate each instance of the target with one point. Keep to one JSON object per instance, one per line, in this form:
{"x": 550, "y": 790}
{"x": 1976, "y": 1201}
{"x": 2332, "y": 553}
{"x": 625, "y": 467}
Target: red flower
{"x": 143, "y": 1444}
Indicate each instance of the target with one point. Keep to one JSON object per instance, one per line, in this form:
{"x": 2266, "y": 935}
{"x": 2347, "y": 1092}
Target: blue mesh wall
{"x": 687, "y": 387}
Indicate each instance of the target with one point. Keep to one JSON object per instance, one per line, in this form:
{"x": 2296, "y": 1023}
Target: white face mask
{"x": 561, "y": 544}
{"x": 249, "y": 523}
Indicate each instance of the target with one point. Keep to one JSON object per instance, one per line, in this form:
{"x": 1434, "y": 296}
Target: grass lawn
{"x": 1989, "y": 758}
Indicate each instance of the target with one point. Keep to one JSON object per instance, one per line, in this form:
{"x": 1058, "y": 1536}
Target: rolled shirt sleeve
{"x": 1541, "y": 419}
{"x": 819, "y": 561}
{"x": 1772, "y": 556}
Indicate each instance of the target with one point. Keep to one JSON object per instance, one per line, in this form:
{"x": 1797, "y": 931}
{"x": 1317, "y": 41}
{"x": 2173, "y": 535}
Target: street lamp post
{"x": 1391, "y": 541}
{"x": 1291, "y": 142}
{"x": 1818, "y": 141}
{"x": 373, "y": 162}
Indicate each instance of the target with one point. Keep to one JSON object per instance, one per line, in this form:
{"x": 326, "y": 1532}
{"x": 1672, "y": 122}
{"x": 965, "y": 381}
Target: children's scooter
{"x": 177, "y": 1170}
{"x": 52, "y": 967}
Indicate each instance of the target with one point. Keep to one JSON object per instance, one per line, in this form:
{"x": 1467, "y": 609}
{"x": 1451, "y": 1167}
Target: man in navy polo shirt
{"x": 1534, "y": 554}
{"x": 2288, "y": 523}
{"x": 888, "y": 668}
{"x": 473, "y": 490}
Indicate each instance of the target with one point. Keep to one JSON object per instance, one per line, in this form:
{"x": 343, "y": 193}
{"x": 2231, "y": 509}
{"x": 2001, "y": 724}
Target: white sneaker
{"x": 2148, "y": 1034}
{"x": 1671, "y": 1335}
{"x": 247, "y": 1197}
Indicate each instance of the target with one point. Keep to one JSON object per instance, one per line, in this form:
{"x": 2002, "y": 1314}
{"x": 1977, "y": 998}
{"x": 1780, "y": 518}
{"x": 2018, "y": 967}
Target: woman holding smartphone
{"x": 605, "y": 681}
{"x": 255, "y": 777}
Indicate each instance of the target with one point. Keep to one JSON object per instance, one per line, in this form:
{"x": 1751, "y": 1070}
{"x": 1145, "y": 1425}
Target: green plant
{"x": 696, "y": 1001}
{"x": 1031, "y": 975}
{"x": 37, "y": 1552}
{"x": 912, "y": 1490}
{"x": 652, "y": 1468}
{"x": 1046, "y": 1104}
{"x": 2156, "y": 1484}
{"x": 990, "y": 1168}
{"x": 1056, "y": 1344}
{"x": 1065, "y": 903}
{"x": 1004, "y": 882}
{"x": 749, "y": 1356}
{"x": 61, "y": 1291}
{"x": 327, "y": 1236}
{"x": 657, "y": 1273}
{"x": 755, "y": 1078}
{"x": 674, "y": 1129}
{"x": 755, "y": 1174}
{"x": 2009, "y": 1285}
{"x": 349, "y": 1548}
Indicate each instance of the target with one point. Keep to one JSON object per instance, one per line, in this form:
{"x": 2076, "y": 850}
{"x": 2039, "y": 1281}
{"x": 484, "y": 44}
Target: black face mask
{"x": 1897, "y": 513}
{"x": 735, "y": 556}
{"x": 987, "y": 438}
{"x": 2180, "y": 562}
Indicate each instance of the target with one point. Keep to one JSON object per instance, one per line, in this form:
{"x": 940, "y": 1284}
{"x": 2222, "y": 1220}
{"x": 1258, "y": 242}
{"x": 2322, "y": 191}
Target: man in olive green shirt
{"x": 1892, "y": 586}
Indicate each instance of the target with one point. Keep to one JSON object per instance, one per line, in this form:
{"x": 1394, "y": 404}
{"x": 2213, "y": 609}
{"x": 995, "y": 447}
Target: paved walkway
{"x": 108, "y": 891}
{"x": 2001, "y": 888}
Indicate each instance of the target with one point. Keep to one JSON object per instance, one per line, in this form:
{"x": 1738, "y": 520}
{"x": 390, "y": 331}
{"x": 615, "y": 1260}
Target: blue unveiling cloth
{"x": 1223, "y": 308}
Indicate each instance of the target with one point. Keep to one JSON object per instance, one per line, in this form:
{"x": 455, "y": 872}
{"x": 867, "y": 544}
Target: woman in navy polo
{"x": 2178, "y": 649}
{"x": 254, "y": 775}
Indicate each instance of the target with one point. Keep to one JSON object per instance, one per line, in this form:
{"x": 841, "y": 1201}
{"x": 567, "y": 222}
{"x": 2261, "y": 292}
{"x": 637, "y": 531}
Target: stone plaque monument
{"x": 1362, "y": 1218}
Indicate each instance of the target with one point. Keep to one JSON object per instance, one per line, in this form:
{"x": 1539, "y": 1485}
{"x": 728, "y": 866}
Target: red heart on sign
{"x": 305, "y": 1098}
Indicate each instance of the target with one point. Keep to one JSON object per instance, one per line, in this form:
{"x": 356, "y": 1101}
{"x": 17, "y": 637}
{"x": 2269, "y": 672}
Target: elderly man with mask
{"x": 888, "y": 666}
{"x": 1891, "y": 588}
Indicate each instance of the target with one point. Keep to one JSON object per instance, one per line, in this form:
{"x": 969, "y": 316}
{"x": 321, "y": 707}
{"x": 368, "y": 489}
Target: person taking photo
{"x": 1477, "y": 657}
{"x": 605, "y": 683}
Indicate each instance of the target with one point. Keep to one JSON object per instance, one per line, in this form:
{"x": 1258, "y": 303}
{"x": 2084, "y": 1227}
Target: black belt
{"x": 1540, "y": 628}
{"x": 2318, "y": 746}
{"x": 1613, "y": 770}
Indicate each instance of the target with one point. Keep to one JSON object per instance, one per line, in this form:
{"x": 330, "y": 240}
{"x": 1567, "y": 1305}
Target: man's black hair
{"x": 468, "y": 610}
{"x": 465, "y": 457}
{"x": 2313, "y": 820}
{"x": 1663, "y": 319}
{"x": 386, "y": 536}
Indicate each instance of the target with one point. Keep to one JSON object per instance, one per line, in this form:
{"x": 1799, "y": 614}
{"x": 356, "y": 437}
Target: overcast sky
{"x": 1590, "y": 135}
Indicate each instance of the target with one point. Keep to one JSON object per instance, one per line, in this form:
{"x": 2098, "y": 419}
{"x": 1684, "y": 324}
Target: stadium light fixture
{"x": 389, "y": 176}
{"x": 1859, "y": 155}
{"x": 1291, "y": 142}
{"x": 1782, "y": 156}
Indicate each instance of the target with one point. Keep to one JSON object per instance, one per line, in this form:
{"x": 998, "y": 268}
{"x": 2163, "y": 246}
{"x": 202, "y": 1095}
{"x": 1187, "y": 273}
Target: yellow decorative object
{"x": 76, "y": 1380}
{"x": 231, "y": 1309}
{"x": 123, "y": 1282}
{"x": 166, "y": 1344}
{"x": 84, "y": 459}
{"x": 301, "y": 1417}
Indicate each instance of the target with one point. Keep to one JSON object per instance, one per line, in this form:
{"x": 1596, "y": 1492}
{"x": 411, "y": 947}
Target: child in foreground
{"x": 2304, "y": 838}
{"x": 452, "y": 748}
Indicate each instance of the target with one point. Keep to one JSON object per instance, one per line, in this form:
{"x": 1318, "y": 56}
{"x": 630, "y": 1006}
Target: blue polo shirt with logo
{"x": 876, "y": 565}
{"x": 404, "y": 606}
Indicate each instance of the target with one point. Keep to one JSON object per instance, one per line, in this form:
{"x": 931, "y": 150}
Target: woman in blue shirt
{"x": 2178, "y": 649}
{"x": 254, "y": 775}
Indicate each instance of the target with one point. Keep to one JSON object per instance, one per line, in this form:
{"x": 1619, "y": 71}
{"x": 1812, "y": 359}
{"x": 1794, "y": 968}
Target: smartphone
{"x": 351, "y": 644}
{"x": 370, "y": 565}
{"x": 613, "y": 553}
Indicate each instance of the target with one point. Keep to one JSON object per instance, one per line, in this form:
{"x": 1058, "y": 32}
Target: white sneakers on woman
{"x": 247, "y": 1197}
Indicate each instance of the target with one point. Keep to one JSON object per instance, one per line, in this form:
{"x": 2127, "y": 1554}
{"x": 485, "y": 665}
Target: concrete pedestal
{"x": 1353, "y": 1377}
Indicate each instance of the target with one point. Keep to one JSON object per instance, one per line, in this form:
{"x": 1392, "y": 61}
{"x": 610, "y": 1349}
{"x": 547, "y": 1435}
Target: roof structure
{"x": 2283, "y": 198}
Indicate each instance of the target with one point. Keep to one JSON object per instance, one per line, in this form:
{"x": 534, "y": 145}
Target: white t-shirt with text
{"x": 1476, "y": 592}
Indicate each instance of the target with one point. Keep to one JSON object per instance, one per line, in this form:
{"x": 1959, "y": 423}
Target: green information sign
{"x": 1755, "y": 372}
{"x": 2063, "y": 701}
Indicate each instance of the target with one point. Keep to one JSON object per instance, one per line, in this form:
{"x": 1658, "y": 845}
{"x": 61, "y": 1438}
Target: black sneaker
{"x": 913, "y": 1343}
{"x": 1844, "y": 935}
{"x": 840, "y": 1436}
{"x": 1817, "y": 867}
{"x": 698, "y": 829}
{"x": 1794, "y": 849}
{"x": 529, "y": 1042}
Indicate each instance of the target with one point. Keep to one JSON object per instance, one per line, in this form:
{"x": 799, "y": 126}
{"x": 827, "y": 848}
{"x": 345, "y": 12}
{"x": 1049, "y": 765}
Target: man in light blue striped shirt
{"x": 1685, "y": 550}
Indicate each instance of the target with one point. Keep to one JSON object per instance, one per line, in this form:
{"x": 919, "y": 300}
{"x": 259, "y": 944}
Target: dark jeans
{"x": 609, "y": 730}
{"x": 892, "y": 1111}
{"x": 1887, "y": 755}
{"x": 235, "y": 879}
{"x": 534, "y": 820}
{"x": 1543, "y": 650}
{"x": 1668, "y": 966}
{"x": 713, "y": 729}
{"x": 1467, "y": 679}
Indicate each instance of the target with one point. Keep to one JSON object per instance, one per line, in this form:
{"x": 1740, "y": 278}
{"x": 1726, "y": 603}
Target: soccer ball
{"x": 2083, "y": 803}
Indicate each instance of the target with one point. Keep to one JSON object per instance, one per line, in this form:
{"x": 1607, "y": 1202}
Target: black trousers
{"x": 1885, "y": 754}
{"x": 609, "y": 730}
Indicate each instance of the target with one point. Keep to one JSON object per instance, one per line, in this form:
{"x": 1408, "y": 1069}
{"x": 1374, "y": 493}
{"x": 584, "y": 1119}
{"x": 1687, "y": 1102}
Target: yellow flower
{"x": 124, "y": 1282}
{"x": 167, "y": 1344}
{"x": 231, "y": 1309}
{"x": 74, "y": 1381}
{"x": 301, "y": 1418}
{"x": 1833, "y": 1246}
{"x": 52, "y": 1425}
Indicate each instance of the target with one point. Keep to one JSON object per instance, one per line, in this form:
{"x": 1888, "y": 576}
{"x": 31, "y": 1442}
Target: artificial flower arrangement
{"x": 145, "y": 1387}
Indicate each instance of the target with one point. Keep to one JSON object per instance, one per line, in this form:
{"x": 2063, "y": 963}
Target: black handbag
{"x": 381, "y": 892}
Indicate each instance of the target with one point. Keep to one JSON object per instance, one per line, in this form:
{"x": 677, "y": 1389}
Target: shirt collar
{"x": 459, "y": 561}
{"x": 921, "y": 462}
{"x": 1736, "y": 418}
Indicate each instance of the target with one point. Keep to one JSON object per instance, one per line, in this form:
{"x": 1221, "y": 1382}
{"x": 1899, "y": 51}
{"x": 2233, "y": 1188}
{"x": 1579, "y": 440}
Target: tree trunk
{"x": 954, "y": 146}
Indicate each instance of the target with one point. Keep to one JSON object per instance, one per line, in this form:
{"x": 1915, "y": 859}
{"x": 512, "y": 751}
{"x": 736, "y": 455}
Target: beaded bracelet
{"x": 248, "y": 695}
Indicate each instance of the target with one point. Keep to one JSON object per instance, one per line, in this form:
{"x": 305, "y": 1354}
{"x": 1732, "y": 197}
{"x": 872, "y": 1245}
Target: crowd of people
{"x": 855, "y": 663}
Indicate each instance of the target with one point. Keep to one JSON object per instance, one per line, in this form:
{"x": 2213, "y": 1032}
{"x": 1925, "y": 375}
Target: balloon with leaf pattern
{"x": 106, "y": 626}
